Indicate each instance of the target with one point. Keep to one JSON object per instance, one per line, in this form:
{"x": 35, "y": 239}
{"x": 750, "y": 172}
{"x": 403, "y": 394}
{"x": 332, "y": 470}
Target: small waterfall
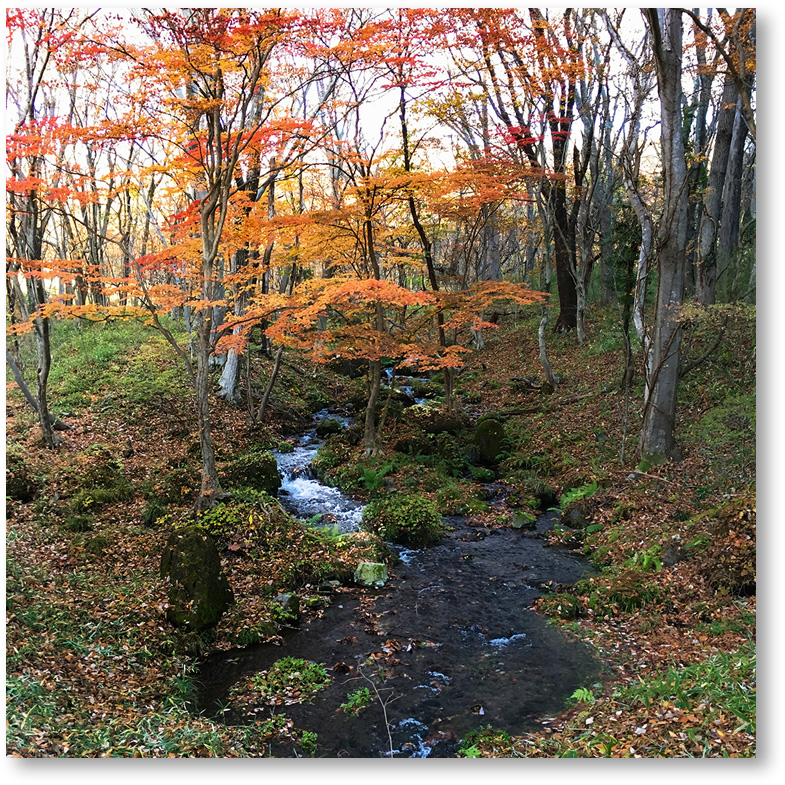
{"x": 303, "y": 495}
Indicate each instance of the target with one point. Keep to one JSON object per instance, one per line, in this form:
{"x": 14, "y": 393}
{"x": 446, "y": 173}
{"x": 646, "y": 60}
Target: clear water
{"x": 303, "y": 495}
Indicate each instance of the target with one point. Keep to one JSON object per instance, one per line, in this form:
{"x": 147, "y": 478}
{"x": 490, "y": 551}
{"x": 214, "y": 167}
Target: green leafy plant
{"x": 648, "y": 560}
{"x": 288, "y": 680}
{"x": 576, "y": 494}
{"x": 357, "y": 700}
{"x": 583, "y": 695}
{"x": 308, "y": 741}
{"x": 489, "y": 739}
{"x": 153, "y": 512}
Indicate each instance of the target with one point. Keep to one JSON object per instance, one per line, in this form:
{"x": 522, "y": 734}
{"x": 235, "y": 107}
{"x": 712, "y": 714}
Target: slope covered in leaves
{"x": 94, "y": 668}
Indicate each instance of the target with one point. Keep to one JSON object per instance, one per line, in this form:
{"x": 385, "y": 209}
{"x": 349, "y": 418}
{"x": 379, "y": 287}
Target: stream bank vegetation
{"x": 525, "y": 302}
{"x": 94, "y": 668}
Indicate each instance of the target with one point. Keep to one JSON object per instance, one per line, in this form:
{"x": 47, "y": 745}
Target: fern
{"x": 575, "y": 494}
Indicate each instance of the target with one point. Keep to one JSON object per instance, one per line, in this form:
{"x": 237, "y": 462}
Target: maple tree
{"x": 384, "y": 186}
{"x": 240, "y": 166}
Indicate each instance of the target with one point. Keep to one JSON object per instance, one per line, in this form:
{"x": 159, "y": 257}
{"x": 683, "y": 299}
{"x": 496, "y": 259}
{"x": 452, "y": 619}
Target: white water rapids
{"x": 303, "y": 495}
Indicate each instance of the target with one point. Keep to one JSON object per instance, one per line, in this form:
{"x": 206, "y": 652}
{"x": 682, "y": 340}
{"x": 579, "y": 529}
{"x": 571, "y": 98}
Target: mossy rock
{"x": 523, "y": 519}
{"x": 19, "y": 485}
{"x": 406, "y": 519}
{"x": 257, "y": 469}
{"x": 489, "y": 441}
{"x": 198, "y": 590}
{"x": 328, "y": 426}
{"x": 434, "y": 419}
{"x": 371, "y": 574}
{"x": 577, "y": 515}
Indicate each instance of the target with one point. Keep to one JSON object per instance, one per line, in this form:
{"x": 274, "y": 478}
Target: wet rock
{"x": 287, "y": 607}
{"x": 577, "y": 515}
{"x": 673, "y": 553}
{"x": 524, "y": 520}
{"x": 303, "y": 472}
{"x": 371, "y": 574}
{"x": 328, "y": 426}
{"x": 198, "y": 590}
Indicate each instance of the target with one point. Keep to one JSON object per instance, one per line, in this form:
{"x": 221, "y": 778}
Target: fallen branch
{"x": 552, "y": 406}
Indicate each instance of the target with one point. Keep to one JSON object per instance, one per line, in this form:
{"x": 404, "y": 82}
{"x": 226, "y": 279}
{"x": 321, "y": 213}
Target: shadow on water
{"x": 450, "y": 644}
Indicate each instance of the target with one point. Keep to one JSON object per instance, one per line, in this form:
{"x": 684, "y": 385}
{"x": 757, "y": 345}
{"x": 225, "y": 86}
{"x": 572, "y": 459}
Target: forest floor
{"x": 95, "y": 669}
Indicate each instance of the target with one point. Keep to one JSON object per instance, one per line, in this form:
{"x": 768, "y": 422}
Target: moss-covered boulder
{"x": 328, "y": 426}
{"x": 257, "y": 469}
{"x": 406, "y": 519}
{"x": 371, "y": 574}
{"x": 198, "y": 590}
{"x": 19, "y": 484}
{"x": 489, "y": 441}
{"x": 434, "y": 419}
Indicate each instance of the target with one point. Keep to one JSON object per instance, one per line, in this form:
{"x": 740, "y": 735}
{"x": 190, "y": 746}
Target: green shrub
{"x": 482, "y": 474}
{"x": 225, "y": 517}
{"x": 291, "y": 678}
{"x": 458, "y": 499}
{"x": 356, "y": 700}
{"x": 406, "y": 519}
{"x": 78, "y": 523}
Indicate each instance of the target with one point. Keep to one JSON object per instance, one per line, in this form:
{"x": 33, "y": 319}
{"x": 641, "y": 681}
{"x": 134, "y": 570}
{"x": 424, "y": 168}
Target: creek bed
{"x": 448, "y": 646}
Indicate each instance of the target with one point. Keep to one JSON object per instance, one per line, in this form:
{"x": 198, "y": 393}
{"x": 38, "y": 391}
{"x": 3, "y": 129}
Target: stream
{"x": 447, "y": 647}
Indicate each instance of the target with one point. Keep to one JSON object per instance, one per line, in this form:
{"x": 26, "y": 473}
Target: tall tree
{"x": 657, "y": 440}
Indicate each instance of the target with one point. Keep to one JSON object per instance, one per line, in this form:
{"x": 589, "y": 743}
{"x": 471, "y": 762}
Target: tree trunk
{"x": 370, "y": 436}
{"x": 712, "y": 203}
{"x": 657, "y": 440}
{"x": 546, "y": 365}
{"x": 43, "y": 345}
{"x": 270, "y": 384}
{"x": 564, "y": 258}
{"x": 211, "y": 490}
{"x": 731, "y": 203}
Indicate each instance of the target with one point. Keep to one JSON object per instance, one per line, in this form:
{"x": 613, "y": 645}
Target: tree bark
{"x": 210, "y": 490}
{"x": 657, "y": 440}
{"x": 730, "y": 219}
{"x": 712, "y": 203}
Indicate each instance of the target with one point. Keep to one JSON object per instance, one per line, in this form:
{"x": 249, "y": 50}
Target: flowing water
{"x": 303, "y": 495}
{"x": 448, "y": 646}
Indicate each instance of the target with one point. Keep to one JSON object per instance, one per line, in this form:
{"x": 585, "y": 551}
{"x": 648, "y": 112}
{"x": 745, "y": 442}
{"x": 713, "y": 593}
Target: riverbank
{"x": 94, "y": 668}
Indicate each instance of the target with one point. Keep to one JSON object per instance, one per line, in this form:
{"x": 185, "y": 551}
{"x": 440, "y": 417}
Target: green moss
{"x": 406, "y": 519}
{"x": 257, "y": 469}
